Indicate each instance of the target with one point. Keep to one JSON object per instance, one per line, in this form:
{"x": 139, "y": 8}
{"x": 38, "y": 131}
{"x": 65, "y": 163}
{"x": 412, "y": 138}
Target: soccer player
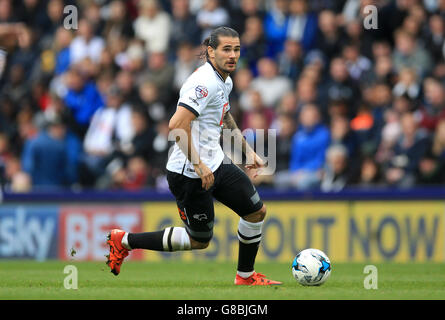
{"x": 197, "y": 172}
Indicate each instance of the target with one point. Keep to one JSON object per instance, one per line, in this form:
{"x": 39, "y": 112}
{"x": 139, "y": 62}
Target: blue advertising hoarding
{"x": 29, "y": 231}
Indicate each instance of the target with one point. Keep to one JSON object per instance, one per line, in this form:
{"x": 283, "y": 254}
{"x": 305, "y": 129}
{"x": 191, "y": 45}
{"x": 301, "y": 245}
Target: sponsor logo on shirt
{"x": 201, "y": 92}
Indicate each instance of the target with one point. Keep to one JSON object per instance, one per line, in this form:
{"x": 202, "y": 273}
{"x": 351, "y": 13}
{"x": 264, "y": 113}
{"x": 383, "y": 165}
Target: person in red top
{"x": 433, "y": 108}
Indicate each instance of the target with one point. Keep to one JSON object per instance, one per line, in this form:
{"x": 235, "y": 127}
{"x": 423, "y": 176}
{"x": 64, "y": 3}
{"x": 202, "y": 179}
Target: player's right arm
{"x": 182, "y": 121}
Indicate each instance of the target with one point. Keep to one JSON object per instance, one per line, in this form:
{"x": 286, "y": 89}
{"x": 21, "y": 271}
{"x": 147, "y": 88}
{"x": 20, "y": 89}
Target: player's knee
{"x": 257, "y": 216}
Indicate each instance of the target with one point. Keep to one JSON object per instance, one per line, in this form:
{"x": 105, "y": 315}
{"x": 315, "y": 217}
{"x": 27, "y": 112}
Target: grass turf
{"x": 212, "y": 280}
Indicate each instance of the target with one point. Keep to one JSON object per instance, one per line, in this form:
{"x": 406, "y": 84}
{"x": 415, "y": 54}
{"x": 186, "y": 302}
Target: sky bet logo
{"x": 27, "y": 232}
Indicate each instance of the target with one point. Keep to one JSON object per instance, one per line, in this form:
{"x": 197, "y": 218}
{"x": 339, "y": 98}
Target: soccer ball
{"x": 311, "y": 267}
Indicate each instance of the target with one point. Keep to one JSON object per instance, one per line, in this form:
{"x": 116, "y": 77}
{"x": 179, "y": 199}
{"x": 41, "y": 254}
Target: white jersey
{"x": 206, "y": 94}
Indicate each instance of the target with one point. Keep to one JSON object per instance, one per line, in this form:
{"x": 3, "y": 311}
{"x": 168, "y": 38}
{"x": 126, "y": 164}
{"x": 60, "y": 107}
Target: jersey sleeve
{"x": 195, "y": 97}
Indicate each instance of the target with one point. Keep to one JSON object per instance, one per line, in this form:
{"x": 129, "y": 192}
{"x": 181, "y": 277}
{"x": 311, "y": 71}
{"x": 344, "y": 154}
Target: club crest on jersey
{"x": 200, "y": 216}
{"x": 201, "y": 92}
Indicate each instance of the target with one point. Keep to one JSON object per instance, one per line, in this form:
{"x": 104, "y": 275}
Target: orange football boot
{"x": 256, "y": 279}
{"x": 117, "y": 251}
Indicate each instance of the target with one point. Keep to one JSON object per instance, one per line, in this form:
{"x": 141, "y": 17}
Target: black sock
{"x": 146, "y": 240}
{"x": 246, "y": 256}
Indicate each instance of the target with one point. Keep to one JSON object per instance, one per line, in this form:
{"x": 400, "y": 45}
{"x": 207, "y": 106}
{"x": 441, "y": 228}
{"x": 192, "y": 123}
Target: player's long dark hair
{"x": 213, "y": 39}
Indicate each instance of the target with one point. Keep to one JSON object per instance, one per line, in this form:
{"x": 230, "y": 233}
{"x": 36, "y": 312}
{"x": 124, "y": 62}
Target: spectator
{"x": 125, "y": 82}
{"x": 49, "y": 159}
{"x": 409, "y": 54}
{"x": 140, "y": 146}
{"x": 382, "y": 71}
{"x": 336, "y": 173}
{"x": 52, "y": 20}
{"x": 313, "y": 70}
{"x": 257, "y": 106}
{"x": 390, "y": 134}
{"x": 356, "y": 63}
{"x": 149, "y": 100}
{"x": 381, "y": 48}
{"x": 253, "y": 43}
{"x": 86, "y": 44}
{"x": 438, "y": 145}
{"x": 6, "y": 12}
{"x": 82, "y": 99}
{"x": 431, "y": 166}
{"x": 408, "y": 84}
{"x": 307, "y": 92}
{"x": 276, "y": 23}
{"x": 430, "y": 170}
{"x": 26, "y": 127}
{"x": 380, "y": 101}
{"x": 340, "y": 86}
{"x": 17, "y": 88}
{"x": 211, "y": 16}
{"x": 269, "y": 83}
{"x": 242, "y": 82}
{"x": 341, "y": 134}
{"x": 62, "y": 51}
{"x": 117, "y": 23}
{"x": 137, "y": 174}
{"x": 302, "y": 26}
{"x": 402, "y": 104}
{"x": 5, "y": 156}
{"x": 351, "y": 11}
{"x": 309, "y": 145}
{"x": 161, "y": 73}
{"x": 27, "y": 53}
{"x": 184, "y": 28}
{"x": 288, "y": 105}
{"x": 433, "y": 107}
{"x": 435, "y": 39}
{"x": 369, "y": 175}
{"x": 132, "y": 177}
{"x": 184, "y": 65}
{"x": 391, "y": 16}
{"x": 8, "y": 112}
{"x": 361, "y": 37}
{"x": 408, "y": 151}
{"x": 290, "y": 61}
{"x": 153, "y": 26}
{"x": 256, "y": 124}
{"x": 330, "y": 39}
{"x": 32, "y": 13}
{"x": 161, "y": 146}
{"x": 110, "y": 130}
{"x": 286, "y": 128}
{"x": 15, "y": 178}
{"x": 247, "y": 8}
{"x": 412, "y": 25}
{"x": 144, "y": 135}
{"x": 135, "y": 57}
{"x": 336, "y": 108}
{"x": 115, "y": 53}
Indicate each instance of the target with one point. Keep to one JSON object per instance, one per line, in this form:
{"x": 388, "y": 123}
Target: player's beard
{"x": 226, "y": 70}
{"x": 221, "y": 65}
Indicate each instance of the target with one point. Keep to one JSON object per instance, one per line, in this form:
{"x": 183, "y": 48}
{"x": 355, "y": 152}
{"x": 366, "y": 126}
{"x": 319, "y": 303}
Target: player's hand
{"x": 254, "y": 163}
{"x": 205, "y": 174}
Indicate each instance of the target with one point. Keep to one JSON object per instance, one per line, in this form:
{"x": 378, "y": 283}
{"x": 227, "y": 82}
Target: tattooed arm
{"x": 230, "y": 124}
{"x": 253, "y": 160}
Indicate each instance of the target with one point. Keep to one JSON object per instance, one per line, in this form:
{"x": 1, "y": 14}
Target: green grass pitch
{"x": 212, "y": 280}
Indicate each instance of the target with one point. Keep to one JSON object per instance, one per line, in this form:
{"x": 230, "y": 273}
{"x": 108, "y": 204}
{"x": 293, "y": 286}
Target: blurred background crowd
{"x": 85, "y": 100}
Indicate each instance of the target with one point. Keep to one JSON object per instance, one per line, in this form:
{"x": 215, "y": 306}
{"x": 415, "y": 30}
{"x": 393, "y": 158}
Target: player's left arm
{"x": 254, "y": 161}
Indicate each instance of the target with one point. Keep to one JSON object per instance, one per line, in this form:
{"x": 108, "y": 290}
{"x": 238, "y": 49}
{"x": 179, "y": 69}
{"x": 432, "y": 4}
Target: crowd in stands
{"x": 86, "y": 94}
